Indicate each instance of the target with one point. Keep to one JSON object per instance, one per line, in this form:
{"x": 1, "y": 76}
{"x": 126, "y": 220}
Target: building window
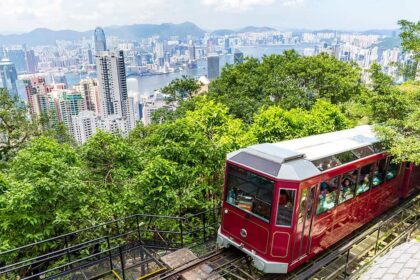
{"x": 285, "y": 207}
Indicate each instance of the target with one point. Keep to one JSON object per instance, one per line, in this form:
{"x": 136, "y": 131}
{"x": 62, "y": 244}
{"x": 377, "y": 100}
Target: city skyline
{"x": 25, "y": 15}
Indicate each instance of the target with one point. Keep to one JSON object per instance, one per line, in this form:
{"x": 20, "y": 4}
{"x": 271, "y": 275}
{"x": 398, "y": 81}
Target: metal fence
{"x": 107, "y": 247}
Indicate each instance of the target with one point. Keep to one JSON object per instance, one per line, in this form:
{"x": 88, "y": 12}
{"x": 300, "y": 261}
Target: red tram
{"x": 288, "y": 201}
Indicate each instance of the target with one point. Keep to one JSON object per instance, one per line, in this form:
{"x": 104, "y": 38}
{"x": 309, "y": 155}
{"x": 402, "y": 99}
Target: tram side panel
{"x": 411, "y": 183}
{"x": 414, "y": 184}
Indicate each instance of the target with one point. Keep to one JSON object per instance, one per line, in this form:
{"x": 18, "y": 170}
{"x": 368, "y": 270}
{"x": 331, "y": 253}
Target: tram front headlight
{"x": 259, "y": 264}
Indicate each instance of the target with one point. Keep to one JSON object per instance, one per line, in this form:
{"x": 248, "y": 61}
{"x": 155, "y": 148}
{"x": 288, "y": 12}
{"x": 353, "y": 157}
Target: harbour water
{"x": 148, "y": 84}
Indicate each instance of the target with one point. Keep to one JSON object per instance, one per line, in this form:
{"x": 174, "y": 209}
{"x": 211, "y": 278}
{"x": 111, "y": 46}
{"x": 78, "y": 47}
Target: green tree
{"x": 410, "y": 36}
{"x": 179, "y": 90}
{"x": 401, "y": 132}
{"x": 15, "y": 128}
{"x": 287, "y": 80}
{"x": 45, "y": 195}
{"x": 275, "y": 124}
{"x": 184, "y": 159}
{"x": 382, "y": 94}
{"x": 109, "y": 161}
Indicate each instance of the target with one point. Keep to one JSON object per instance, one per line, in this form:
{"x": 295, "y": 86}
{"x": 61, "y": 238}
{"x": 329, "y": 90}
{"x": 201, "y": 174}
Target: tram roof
{"x": 293, "y": 159}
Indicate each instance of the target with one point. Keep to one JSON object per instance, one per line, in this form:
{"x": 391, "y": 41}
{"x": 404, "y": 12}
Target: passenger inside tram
{"x": 327, "y": 195}
{"x": 379, "y": 174}
{"x": 364, "y": 184}
{"x": 285, "y": 207}
{"x": 347, "y": 187}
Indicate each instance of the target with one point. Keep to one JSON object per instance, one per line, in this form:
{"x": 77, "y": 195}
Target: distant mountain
{"x": 389, "y": 43}
{"x": 44, "y": 36}
{"x": 255, "y": 29}
{"x": 223, "y": 32}
{"x": 385, "y": 32}
{"x": 248, "y": 29}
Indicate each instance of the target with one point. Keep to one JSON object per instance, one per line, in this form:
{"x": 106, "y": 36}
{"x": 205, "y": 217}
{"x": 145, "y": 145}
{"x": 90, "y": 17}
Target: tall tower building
{"x": 213, "y": 66}
{"x": 31, "y": 62}
{"x": 89, "y": 56}
{"x": 112, "y": 82}
{"x": 100, "y": 41}
{"x": 238, "y": 56}
{"x": 8, "y": 76}
{"x": 17, "y": 56}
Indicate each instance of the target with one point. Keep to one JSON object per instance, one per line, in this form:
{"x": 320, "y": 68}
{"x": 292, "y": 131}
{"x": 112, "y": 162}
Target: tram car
{"x": 287, "y": 202}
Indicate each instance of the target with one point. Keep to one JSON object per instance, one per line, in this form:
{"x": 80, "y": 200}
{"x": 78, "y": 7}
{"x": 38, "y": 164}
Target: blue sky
{"x": 25, "y": 15}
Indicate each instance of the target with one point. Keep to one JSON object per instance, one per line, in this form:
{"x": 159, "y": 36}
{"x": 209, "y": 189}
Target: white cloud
{"x": 293, "y": 3}
{"x": 24, "y": 15}
{"x": 236, "y": 5}
{"x": 243, "y": 5}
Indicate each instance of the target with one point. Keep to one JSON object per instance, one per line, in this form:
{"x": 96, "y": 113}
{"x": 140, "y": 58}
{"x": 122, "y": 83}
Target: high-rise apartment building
{"x": 8, "y": 76}
{"x": 100, "y": 41}
{"x": 38, "y": 95}
{"x": 213, "y": 66}
{"x": 71, "y": 104}
{"x": 112, "y": 82}
{"x": 89, "y": 90}
{"x": 84, "y": 125}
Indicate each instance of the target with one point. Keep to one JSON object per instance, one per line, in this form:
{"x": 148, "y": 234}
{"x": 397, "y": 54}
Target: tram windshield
{"x": 249, "y": 192}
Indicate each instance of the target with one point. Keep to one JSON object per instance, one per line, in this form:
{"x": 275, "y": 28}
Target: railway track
{"x": 345, "y": 260}
{"x": 216, "y": 264}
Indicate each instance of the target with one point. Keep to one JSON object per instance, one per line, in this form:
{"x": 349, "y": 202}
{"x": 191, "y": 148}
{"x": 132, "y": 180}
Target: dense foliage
{"x": 288, "y": 80}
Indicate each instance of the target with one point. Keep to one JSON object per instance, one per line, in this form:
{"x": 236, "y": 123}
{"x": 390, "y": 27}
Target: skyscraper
{"x": 8, "y": 76}
{"x": 90, "y": 56}
{"x": 113, "y": 87}
{"x": 31, "y": 62}
{"x": 213, "y": 66}
{"x": 18, "y": 57}
{"x": 238, "y": 56}
{"x": 100, "y": 41}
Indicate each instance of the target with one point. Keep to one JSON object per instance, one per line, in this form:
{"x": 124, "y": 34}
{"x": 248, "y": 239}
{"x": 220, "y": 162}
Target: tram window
{"x": 348, "y": 186}
{"x": 326, "y": 163}
{"x": 346, "y": 157}
{"x": 392, "y": 169}
{"x": 363, "y": 151}
{"x": 380, "y": 173}
{"x": 327, "y": 195}
{"x": 250, "y": 192}
{"x": 285, "y": 207}
{"x": 364, "y": 181}
{"x": 378, "y": 147}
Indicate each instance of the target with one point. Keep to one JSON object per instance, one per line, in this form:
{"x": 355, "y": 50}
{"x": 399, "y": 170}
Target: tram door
{"x": 304, "y": 223}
